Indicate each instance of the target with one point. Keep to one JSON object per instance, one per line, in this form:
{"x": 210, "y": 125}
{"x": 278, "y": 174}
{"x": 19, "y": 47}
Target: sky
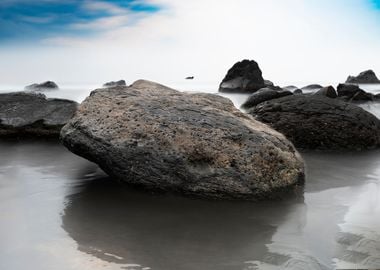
{"x": 87, "y": 42}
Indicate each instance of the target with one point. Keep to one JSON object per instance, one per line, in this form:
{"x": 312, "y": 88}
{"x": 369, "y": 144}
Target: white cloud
{"x": 305, "y": 41}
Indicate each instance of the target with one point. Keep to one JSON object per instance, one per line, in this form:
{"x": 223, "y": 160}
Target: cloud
{"x": 294, "y": 41}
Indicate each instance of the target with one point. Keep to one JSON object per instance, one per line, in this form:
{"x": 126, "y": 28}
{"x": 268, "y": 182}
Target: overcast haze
{"x": 85, "y": 42}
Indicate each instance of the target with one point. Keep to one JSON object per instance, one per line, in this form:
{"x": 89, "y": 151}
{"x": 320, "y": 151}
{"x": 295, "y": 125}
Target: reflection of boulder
{"x": 161, "y": 232}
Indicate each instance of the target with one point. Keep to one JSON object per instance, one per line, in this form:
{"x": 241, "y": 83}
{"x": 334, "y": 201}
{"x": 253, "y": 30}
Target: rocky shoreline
{"x": 160, "y": 139}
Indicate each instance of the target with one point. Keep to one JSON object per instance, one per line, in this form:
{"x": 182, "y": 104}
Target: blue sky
{"x": 88, "y": 41}
{"x": 31, "y": 20}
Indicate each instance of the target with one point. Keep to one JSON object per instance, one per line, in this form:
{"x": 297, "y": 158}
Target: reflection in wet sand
{"x": 59, "y": 212}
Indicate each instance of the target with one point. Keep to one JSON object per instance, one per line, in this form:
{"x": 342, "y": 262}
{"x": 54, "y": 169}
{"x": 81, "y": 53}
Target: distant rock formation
{"x": 48, "y": 85}
{"x": 364, "y": 77}
{"x": 318, "y": 122}
{"x": 115, "y": 83}
{"x": 33, "y": 115}
{"x": 151, "y": 136}
{"x": 243, "y": 77}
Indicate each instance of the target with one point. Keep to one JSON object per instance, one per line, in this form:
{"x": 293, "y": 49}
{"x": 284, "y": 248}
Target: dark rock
{"x": 312, "y": 87}
{"x": 328, "y": 91}
{"x": 48, "y": 85}
{"x": 268, "y": 83}
{"x": 29, "y": 114}
{"x": 351, "y": 92}
{"x": 243, "y": 77}
{"x": 190, "y": 78}
{"x": 290, "y": 88}
{"x": 262, "y": 95}
{"x": 317, "y": 122}
{"x": 116, "y": 83}
{"x": 160, "y": 139}
{"x": 298, "y": 92}
{"x": 367, "y": 76}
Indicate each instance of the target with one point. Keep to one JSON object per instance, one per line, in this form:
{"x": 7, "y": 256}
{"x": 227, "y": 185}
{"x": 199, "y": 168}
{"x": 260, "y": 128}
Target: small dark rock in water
{"x": 298, "y": 92}
{"x": 264, "y": 94}
{"x": 312, "y": 87}
{"x": 161, "y": 139}
{"x": 317, "y": 122}
{"x": 48, "y": 85}
{"x": 328, "y": 91}
{"x": 367, "y": 76}
{"x": 243, "y": 77}
{"x": 116, "y": 83}
{"x": 190, "y": 78}
{"x": 351, "y": 92}
{"x": 33, "y": 115}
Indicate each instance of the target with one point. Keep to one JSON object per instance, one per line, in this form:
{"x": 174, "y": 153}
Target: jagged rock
{"x": 48, "y": 85}
{"x": 116, "y": 83}
{"x": 151, "y": 136}
{"x": 328, "y": 91}
{"x": 367, "y": 76}
{"x": 317, "y": 122}
{"x": 243, "y": 77}
{"x": 30, "y": 114}
{"x": 264, "y": 94}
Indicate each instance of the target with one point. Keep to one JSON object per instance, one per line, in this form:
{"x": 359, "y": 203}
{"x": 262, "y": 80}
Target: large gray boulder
{"x": 367, "y": 76}
{"x": 30, "y": 114}
{"x": 157, "y": 138}
{"x": 243, "y": 77}
{"x": 327, "y": 91}
{"x": 318, "y": 122}
{"x": 48, "y": 85}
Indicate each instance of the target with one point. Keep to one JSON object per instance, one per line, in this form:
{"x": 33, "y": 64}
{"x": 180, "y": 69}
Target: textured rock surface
{"x": 243, "y": 77}
{"x": 367, "y": 76}
{"x": 30, "y": 114}
{"x": 117, "y": 83}
{"x": 264, "y": 94}
{"x": 157, "y": 138}
{"x": 49, "y": 85}
{"x": 317, "y": 122}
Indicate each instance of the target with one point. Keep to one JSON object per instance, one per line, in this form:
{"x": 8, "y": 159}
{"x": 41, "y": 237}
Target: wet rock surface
{"x": 30, "y": 114}
{"x": 317, "y": 122}
{"x": 161, "y": 139}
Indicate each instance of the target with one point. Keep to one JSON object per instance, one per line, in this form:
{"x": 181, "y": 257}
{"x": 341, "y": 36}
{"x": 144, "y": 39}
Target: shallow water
{"x": 59, "y": 211}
